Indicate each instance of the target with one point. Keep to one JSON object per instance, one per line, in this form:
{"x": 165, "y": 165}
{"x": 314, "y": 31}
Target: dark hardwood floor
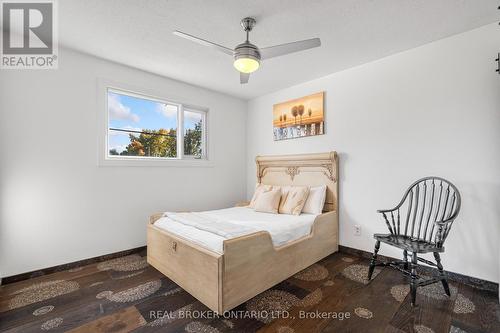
{"x": 126, "y": 294}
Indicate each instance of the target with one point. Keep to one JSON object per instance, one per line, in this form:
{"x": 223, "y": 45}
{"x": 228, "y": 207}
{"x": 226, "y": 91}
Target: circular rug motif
{"x": 422, "y": 329}
{"x": 136, "y": 293}
{"x": 43, "y": 310}
{"x": 347, "y": 259}
{"x": 314, "y": 272}
{"x": 277, "y": 301}
{"x": 363, "y": 313}
{"x": 199, "y": 327}
{"x": 463, "y": 305}
{"x": 133, "y": 262}
{"x": 436, "y": 291}
{"x": 42, "y": 291}
{"x": 52, "y": 323}
{"x": 271, "y": 301}
{"x": 359, "y": 273}
{"x": 400, "y": 291}
{"x": 96, "y": 284}
{"x": 285, "y": 329}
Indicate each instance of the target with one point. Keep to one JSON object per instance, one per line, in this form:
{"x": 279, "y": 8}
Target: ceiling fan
{"x": 247, "y": 56}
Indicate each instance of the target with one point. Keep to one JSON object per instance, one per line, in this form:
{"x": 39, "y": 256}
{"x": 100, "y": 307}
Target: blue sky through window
{"x": 134, "y": 113}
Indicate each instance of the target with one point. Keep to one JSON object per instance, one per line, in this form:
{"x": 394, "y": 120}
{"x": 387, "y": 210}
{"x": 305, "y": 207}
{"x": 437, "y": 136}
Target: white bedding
{"x": 210, "y": 228}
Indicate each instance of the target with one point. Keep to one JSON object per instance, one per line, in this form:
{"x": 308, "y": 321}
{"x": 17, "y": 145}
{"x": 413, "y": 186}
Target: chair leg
{"x": 405, "y": 259}
{"x": 413, "y": 283}
{"x": 374, "y": 260}
{"x": 441, "y": 274}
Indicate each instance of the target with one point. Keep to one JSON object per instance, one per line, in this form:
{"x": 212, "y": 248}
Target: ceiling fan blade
{"x": 279, "y": 50}
{"x": 244, "y": 77}
{"x": 203, "y": 42}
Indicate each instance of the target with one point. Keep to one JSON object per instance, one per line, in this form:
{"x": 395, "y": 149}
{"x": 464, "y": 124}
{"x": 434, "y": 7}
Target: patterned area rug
{"x": 126, "y": 294}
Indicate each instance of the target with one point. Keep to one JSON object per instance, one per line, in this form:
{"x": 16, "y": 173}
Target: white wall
{"x": 57, "y": 204}
{"x": 433, "y": 110}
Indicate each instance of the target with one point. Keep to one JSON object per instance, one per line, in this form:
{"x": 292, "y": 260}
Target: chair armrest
{"x": 442, "y": 223}
{"x": 381, "y": 211}
{"x": 397, "y": 206}
{"x": 242, "y": 204}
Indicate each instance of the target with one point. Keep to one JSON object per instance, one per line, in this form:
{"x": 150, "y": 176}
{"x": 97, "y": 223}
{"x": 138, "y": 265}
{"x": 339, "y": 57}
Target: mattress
{"x": 282, "y": 228}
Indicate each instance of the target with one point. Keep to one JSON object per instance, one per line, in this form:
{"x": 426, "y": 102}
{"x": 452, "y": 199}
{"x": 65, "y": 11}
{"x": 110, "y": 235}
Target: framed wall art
{"x": 299, "y": 117}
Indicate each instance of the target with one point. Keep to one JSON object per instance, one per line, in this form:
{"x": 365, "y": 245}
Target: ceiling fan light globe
{"x": 246, "y": 65}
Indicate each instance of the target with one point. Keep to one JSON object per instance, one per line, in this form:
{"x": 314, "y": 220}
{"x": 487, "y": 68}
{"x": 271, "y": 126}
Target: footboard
{"x": 252, "y": 264}
{"x": 192, "y": 267}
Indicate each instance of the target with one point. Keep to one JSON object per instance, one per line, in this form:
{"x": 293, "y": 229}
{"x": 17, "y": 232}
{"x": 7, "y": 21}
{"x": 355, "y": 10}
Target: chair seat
{"x": 407, "y": 243}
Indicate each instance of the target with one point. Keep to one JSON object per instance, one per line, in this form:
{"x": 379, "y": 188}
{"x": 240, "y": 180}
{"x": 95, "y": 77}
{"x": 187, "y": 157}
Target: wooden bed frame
{"x": 251, "y": 264}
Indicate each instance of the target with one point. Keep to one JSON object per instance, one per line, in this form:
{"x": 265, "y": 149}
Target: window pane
{"x": 194, "y": 133}
{"x": 141, "y": 127}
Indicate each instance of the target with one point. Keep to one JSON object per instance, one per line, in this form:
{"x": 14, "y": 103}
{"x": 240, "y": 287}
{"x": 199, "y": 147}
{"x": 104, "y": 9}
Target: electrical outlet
{"x": 357, "y": 230}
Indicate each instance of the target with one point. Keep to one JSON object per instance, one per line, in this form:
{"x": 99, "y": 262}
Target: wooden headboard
{"x": 302, "y": 169}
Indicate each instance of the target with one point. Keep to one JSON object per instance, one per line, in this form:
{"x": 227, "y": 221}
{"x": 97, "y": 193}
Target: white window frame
{"x": 104, "y": 86}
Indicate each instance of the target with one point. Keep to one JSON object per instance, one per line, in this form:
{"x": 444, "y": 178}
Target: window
{"x": 141, "y": 127}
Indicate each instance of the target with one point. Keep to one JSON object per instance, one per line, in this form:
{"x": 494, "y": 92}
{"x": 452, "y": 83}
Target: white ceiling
{"x": 138, "y": 33}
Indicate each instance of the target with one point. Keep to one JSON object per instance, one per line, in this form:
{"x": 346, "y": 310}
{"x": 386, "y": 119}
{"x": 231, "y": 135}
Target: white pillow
{"x": 316, "y": 200}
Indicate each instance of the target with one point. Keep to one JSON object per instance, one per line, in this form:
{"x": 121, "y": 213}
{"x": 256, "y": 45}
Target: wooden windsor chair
{"x": 420, "y": 224}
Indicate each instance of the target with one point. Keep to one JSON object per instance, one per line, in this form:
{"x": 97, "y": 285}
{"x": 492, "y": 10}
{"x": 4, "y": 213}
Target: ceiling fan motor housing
{"x": 247, "y": 50}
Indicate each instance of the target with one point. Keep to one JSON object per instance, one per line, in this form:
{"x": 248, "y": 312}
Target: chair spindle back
{"x": 426, "y": 211}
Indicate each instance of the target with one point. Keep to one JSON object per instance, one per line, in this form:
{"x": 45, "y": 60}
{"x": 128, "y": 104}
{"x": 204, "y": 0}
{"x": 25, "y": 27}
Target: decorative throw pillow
{"x": 268, "y": 201}
{"x": 284, "y": 193}
{"x": 293, "y": 199}
{"x": 259, "y": 189}
{"x": 316, "y": 200}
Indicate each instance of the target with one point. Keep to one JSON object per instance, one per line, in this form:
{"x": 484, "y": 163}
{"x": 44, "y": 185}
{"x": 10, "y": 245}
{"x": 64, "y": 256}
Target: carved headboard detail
{"x": 302, "y": 169}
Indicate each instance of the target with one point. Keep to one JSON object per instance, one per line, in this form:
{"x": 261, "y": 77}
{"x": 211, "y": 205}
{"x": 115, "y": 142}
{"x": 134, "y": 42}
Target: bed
{"x": 224, "y": 272}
